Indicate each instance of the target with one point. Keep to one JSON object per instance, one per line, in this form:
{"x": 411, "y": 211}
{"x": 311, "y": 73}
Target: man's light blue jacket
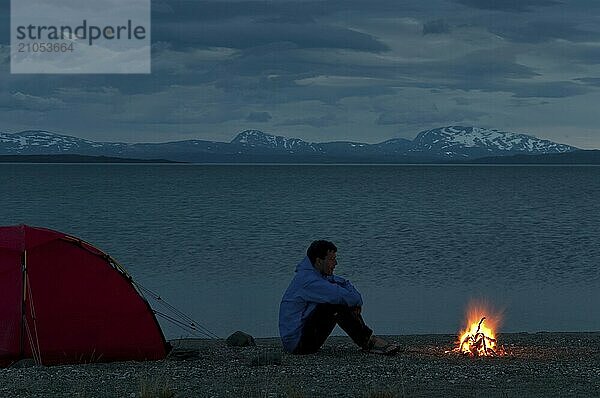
{"x": 309, "y": 288}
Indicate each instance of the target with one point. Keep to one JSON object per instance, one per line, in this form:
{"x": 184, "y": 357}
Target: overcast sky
{"x": 333, "y": 70}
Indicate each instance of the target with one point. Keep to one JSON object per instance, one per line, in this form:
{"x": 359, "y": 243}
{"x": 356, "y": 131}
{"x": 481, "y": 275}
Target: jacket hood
{"x": 305, "y": 265}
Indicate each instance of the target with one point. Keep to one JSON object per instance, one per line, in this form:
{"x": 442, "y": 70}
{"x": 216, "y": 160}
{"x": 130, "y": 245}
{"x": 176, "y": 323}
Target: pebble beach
{"x": 536, "y": 365}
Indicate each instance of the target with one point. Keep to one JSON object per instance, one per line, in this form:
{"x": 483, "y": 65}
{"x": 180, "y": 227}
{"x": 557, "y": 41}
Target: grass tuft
{"x": 293, "y": 392}
{"x": 155, "y": 389}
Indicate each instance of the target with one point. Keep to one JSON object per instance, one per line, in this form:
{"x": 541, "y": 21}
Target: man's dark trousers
{"x": 322, "y": 320}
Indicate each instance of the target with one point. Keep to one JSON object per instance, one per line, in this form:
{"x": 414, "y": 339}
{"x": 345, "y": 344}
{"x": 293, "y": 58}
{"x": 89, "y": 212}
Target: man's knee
{"x": 333, "y": 308}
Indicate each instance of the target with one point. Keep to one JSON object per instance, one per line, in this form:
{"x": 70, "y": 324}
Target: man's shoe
{"x": 377, "y": 345}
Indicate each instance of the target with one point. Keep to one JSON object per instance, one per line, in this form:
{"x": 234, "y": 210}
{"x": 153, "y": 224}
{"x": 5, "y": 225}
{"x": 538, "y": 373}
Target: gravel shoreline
{"x": 539, "y": 365}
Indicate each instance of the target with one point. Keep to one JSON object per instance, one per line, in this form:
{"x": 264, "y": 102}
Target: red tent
{"x": 64, "y": 301}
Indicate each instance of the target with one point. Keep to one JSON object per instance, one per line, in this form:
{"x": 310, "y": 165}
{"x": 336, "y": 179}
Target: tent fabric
{"x": 65, "y": 301}
{"x": 23, "y": 237}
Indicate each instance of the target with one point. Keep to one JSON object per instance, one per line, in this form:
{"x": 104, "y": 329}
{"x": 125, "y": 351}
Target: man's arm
{"x": 324, "y": 291}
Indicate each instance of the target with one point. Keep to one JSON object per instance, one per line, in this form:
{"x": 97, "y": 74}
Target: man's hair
{"x": 319, "y": 249}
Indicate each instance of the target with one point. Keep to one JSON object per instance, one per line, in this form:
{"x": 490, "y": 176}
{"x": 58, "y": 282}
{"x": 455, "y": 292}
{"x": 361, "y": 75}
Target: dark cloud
{"x": 487, "y": 70}
{"x": 437, "y": 26}
{"x": 320, "y": 121}
{"x": 259, "y": 13}
{"x": 247, "y": 34}
{"x": 428, "y": 116}
{"x": 462, "y": 101}
{"x": 22, "y": 101}
{"x": 31, "y": 102}
{"x": 261, "y": 91}
{"x": 203, "y": 11}
{"x": 508, "y": 5}
{"x": 574, "y": 53}
{"x": 491, "y": 71}
{"x": 332, "y": 95}
{"x": 274, "y": 75}
{"x": 4, "y": 58}
{"x": 542, "y": 31}
{"x": 258, "y": 117}
{"x": 296, "y": 19}
{"x": 4, "y": 23}
{"x": 293, "y": 64}
{"x": 174, "y": 114}
{"x": 487, "y": 65}
{"x": 590, "y": 81}
{"x": 294, "y": 10}
{"x": 390, "y": 118}
{"x": 126, "y": 84}
{"x": 548, "y": 90}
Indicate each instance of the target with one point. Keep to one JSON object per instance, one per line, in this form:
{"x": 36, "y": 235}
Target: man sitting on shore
{"x": 317, "y": 300}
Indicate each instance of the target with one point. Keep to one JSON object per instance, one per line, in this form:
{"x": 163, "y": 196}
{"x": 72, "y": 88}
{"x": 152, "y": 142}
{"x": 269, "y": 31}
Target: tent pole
{"x": 23, "y": 312}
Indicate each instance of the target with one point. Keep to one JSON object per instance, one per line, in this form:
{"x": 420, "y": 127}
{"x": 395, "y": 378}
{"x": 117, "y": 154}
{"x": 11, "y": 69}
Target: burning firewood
{"x": 478, "y": 343}
{"x": 478, "y": 340}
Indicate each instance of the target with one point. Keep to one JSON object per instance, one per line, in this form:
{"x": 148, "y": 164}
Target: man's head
{"x": 322, "y": 255}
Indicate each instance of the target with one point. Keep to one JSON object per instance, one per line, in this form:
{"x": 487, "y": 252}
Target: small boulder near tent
{"x": 64, "y": 301}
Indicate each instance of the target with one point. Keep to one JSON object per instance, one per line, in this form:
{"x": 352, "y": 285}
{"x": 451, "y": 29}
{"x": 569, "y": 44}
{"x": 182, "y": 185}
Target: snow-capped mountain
{"x": 436, "y": 145}
{"x": 452, "y": 142}
{"x": 471, "y": 142}
{"x": 257, "y": 140}
{"x": 45, "y": 142}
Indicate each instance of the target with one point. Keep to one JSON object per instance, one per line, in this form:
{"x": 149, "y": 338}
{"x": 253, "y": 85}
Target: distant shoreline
{"x": 76, "y": 159}
{"x": 578, "y": 158}
{"x": 265, "y": 164}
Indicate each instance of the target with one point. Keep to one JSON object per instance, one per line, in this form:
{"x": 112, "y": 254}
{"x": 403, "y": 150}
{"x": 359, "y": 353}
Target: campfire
{"x": 478, "y": 339}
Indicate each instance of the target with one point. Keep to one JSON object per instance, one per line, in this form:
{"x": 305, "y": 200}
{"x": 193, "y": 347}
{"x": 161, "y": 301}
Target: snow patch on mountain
{"x": 467, "y": 141}
{"x": 31, "y": 141}
{"x": 258, "y": 139}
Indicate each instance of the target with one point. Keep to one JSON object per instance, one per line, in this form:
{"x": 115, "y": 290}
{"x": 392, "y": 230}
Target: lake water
{"x": 220, "y": 242}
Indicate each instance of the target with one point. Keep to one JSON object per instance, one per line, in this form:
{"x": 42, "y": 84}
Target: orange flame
{"x": 479, "y": 336}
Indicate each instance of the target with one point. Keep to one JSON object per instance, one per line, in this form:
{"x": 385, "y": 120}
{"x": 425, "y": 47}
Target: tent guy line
{"x": 185, "y": 322}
